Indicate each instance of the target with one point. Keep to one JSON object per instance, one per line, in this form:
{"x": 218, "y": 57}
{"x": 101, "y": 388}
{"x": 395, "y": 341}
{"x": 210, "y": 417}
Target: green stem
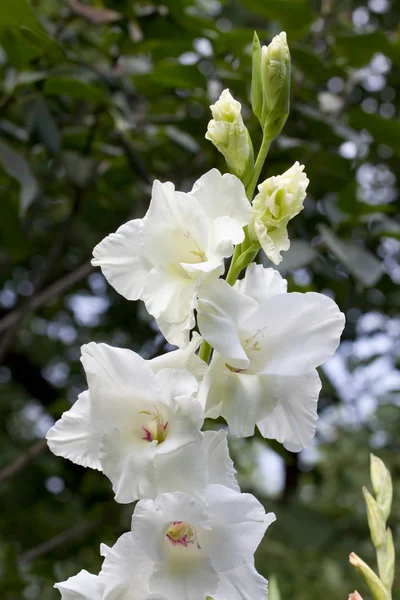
{"x": 236, "y": 267}
{"x": 205, "y": 351}
{"x": 262, "y": 155}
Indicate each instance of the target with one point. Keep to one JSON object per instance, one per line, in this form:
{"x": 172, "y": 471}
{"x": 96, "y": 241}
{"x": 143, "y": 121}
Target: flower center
{"x": 156, "y": 428}
{"x": 180, "y": 533}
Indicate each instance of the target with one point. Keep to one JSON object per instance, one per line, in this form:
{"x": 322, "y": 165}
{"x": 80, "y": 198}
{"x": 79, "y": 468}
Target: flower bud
{"x": 376, "y": 586}
{"x": 275, "y": 73}
{"x": 229, "y": 134}
{"x": 386, "y": 560}
{"x": 382, "y": 484}
{"x": 376, "y": 521}
{"x": 355, "y": 596}
{"x": 279, "y": 199}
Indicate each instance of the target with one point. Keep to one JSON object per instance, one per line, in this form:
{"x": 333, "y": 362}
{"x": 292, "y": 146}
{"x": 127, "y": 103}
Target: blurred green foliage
{"x": 98, "y": 99}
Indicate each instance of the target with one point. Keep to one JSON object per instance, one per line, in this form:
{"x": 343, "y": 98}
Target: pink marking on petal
{"x": 148, "y": 436}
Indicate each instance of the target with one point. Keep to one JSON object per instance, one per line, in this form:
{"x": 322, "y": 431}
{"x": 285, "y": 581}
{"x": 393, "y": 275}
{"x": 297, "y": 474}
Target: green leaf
{"x": 384, "y": 131}
{"x": 348, "y": 203}
{"x": 361, "y": 263}
{"x": 293, "y": 15}
{"x": 60, "y": 85}
{"x": 358, "y": 49}
{"x": 16, "y": 166}
{"x": 22, "y": 36}
{"x": 43, "y": 122}
{"x": 169, "y": 73}
{"x": 79, "y": 169}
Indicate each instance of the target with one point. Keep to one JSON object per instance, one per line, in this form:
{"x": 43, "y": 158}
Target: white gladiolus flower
{"x": 279, "y": 199}
{"x": 268, "y": 344}
{"x": 140, "y": 428}
{"x": 181, "y": 242}
{"x": 189, "y": 549}
{"x": 228, "y": 133}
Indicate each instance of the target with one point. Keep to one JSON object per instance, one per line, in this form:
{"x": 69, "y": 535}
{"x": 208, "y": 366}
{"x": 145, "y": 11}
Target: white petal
{"x": 183, "y": 469}
{"x": 121, "y": 383}
{"x": 126, "y": 571}
{"x": 238, "y": 525}
{"x": 222, "y": 195}
{"x": 194, "y": 581}
{"x": 182, "y": 359}
{"x": 260, "y": 283}
{"x": 175, "y": 228}
{"x": 171, "y": 298}
{"x": 177, "y": 334}
{"x": 74, "y": 437}
{"x": 220, "y": 310}
{"x": 294, "y": 418}
{"x": 241, "y": 398}
{"x": 182, "y": 447}
{"x": 220, "y": 465}
{"x": 272, "y": 242}
{"x": 242, "y": 583}
{"x": 295, "y": 333}
{"x": 225, "y": 233}
{"x": 83, "y": 586}
{"x": 122, "y": 261}
{"x": 151, "y": 519}
{"x": 128, "y": 462}
{"x": 176, "y": 382}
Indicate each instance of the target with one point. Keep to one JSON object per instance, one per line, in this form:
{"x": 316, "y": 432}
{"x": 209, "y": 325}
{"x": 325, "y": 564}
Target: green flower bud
{"x": 275, "y": 72}
{"x": 229, "y": 134}
{"x": 382, "y": 484}
{"x": 279, "y": 199}
{"x": 386, "y": 560}
{"x": 376, "y": 521}
{"x": 376, "y": 586}
{"x": 256, "y": 79}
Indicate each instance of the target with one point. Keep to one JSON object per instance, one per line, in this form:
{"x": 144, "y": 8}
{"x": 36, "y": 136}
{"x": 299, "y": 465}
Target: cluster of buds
{"x": 378, "y": 511}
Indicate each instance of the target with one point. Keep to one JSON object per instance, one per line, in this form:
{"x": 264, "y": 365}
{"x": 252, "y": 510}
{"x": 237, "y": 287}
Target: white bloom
{"x": 181, "y": 242}
{"x": 83, "y": 586}
{"x": 182, "y": 359}
{"x": 268, "y": 344}
{"x": 279, "y": 199}
{"x": 200, "y": 549}
{"x": 228, "y": 133}
{"x": 139, "y": 427}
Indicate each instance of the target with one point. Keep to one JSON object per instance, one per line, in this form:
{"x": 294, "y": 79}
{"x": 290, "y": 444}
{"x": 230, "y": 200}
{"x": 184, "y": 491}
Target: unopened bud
{"x": 279, "y": 199}
{"x": 376, "y": 586}
{"x": 386, "y": 559}
{"x": 229, "y": 134}
{"x": 382, "y": 484}
{"x": 275, "y": 74}
{"x": 273, "y": 589}
{"x": 256, "y": 79}
{"x": 376, "y": 521}
{"x": 355, "y": 596}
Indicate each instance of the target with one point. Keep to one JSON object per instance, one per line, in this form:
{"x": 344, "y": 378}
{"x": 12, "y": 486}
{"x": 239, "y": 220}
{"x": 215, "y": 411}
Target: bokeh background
{"x": 114, "y": 95}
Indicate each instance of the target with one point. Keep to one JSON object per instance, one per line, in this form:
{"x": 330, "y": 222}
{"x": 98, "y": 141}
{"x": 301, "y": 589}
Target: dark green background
{"x": 94, "y": 105}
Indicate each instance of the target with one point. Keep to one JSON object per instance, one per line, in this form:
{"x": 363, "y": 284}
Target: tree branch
{"x": 77, "y": 530}
{"x": 37, "y": 300}
{"x": 22, "y": 461}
